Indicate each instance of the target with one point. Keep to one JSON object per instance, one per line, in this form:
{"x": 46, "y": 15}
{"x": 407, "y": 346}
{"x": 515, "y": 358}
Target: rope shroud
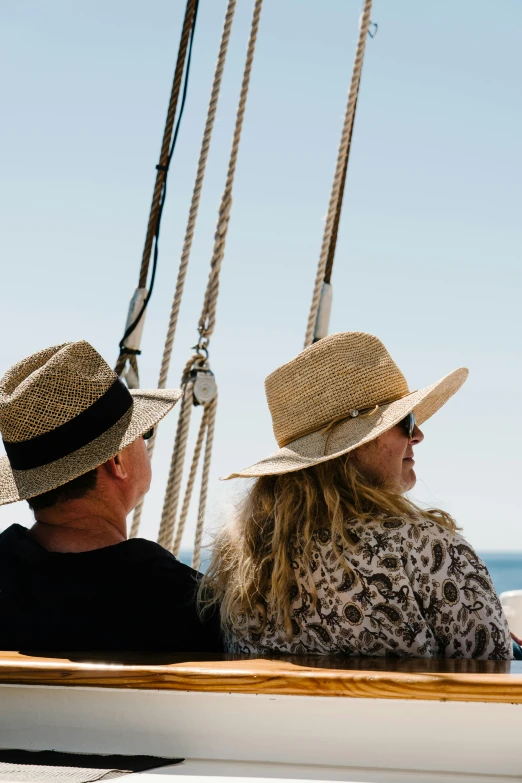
{"x": 326, "y": 257}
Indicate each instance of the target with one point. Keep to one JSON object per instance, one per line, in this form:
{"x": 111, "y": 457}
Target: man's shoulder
{"x": 142, "y": 549}
{"x": 11, "y": 533}
{"x": 160, "y": 560}
{"x": 13, "y": 540}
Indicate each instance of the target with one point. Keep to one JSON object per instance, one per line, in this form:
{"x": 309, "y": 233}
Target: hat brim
{"x": 149, "y": 407}
{"x": 349, "y": 434}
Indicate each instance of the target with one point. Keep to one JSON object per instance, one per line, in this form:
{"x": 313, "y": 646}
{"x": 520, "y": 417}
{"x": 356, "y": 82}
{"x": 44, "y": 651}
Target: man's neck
{"x": 68, "y": 527}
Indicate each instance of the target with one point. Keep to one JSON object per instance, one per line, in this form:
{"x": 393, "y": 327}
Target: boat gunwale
{"x": 440, "y": 680}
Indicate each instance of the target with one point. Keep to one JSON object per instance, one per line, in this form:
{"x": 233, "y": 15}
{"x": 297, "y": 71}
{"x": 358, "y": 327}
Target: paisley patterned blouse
{"x": 413, "y": 590}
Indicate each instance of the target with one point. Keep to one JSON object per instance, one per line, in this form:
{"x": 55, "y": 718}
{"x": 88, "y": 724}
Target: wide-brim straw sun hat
{"x": 338, "y": 394}
{"x": 64, "y": 412}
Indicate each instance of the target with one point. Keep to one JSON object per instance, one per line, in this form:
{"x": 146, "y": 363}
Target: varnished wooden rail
{"x": 444, "y": 680}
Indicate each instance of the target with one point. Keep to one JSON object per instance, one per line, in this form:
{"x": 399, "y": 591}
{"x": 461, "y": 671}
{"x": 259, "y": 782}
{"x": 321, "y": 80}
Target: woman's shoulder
{"x": 422, "y": 543}
{"x": 415, "y": 537}
{"x": 413, "y": 530}
{"x": 429, "y": 546}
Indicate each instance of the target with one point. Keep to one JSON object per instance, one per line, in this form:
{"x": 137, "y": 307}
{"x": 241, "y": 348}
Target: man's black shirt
{"x": 130, "y": 596}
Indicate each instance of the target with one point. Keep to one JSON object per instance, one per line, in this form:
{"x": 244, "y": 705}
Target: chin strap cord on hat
{"x": 355, "y": 414}
{"x": 198, "y": 381}
{"x": 319, "y": 316}
{"x": 191, "y": 224}
{"x": 127, "y": 364}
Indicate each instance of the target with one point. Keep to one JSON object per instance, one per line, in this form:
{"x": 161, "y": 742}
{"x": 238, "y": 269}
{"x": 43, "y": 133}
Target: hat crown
{"x": 51, "y": 387}
{"x": 339, "y": 374}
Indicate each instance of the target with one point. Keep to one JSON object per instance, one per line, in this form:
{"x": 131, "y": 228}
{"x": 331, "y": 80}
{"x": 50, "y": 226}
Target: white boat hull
{"x": 328, "y": 738}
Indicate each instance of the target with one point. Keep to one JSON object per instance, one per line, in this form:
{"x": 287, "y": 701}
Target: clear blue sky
{"x": 429, "y": 249}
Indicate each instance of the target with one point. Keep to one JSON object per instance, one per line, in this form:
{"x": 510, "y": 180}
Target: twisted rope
{"x": 165, "y": 146}
{"x": 207, "y": 320}
{"x": 188, "y": 23}
{"x": 170, "y": 504}
{"x": 208, "y": 417}
{"x": 206, "y": 327}
{"x": 190, "y": 484}
{"x": 136, "y": 519}
{"x": 337, "y": 219}
{"x": 196, "y": 195}
{"x": 211, "y": 421}
{"x": 191, "y": 224}
{"x": 340, "y": 172}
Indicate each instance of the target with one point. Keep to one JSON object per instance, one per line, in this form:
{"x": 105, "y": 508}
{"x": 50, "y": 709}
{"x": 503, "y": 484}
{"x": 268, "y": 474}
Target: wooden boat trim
{"x": 498, "y": 682}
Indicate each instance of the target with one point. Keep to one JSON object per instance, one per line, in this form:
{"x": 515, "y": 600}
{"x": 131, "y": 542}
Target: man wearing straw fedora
{"x": 74, "y": 437}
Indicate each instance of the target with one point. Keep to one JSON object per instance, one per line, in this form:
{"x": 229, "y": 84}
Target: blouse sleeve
{"x": 458, "y": 600}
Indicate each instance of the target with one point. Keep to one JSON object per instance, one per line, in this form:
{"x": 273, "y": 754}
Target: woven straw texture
{"x": 58, "y": 383}
{"x": 360, "y": 374}
{"x": 44, "y": 766}
{"x": 344, "y": 372}
{"x": 32, "y": 773}
{"x": 53, "y": 386}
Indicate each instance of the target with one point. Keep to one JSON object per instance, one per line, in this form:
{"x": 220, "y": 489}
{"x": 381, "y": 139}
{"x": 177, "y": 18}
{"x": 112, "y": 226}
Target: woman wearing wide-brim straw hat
{"x": 326, "y": 554}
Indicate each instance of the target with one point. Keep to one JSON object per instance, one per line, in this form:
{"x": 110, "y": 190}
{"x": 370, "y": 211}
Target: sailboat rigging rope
{"x": 207, "y": 320}
{"x": 196, "y": 195}
{"x": 337, "y": 219}
{"x": 206, "y": 427}
{"x": 200, "y": 362}
{"x": 324, "y": 267}
{"x": 128, "y": 353}
{"x": 191, "y": 224}
{"x": 172, "y": 493}
{"x": 210, "y": 413}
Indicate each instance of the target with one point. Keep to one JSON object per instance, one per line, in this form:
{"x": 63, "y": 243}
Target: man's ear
{"x": 116, "y": 467}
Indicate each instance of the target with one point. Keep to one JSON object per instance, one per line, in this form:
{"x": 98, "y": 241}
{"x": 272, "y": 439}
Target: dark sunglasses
{"x": 409, "y": 424}
{"x": 147, "y": 435}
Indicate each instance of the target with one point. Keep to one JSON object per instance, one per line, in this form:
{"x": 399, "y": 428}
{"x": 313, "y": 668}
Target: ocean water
{"x": 505, "y": 568}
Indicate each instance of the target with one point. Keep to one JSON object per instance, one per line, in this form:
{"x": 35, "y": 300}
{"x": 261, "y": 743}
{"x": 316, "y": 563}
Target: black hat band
{"x": 74, "y": 434}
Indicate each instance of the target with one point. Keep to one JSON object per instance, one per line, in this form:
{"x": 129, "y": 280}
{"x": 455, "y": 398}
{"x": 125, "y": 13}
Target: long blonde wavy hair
{"x": 251, "y": 562}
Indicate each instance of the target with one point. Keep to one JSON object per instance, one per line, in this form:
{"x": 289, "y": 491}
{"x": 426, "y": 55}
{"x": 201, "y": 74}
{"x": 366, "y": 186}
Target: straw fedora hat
{"x": 63, "y": 412}
{"x": 338, "y": 394}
